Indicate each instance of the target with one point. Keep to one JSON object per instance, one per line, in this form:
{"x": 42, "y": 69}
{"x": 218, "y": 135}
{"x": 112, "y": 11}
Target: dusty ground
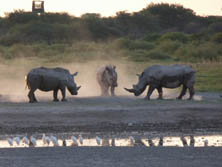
{"x": 113, "y": 115}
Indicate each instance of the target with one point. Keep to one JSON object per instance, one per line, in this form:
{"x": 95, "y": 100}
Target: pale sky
{"x": 110, "y": 7}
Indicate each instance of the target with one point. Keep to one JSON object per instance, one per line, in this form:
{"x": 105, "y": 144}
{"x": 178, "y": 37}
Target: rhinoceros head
{"x": 139, "y": 88}
{"x": 71, "y": 85}
{"x": 110, "y": 75}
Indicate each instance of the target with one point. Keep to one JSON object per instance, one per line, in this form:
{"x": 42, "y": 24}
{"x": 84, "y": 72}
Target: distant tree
{"x": 171, "y": 15}
{"x": 123, "y": 20}
{"x": 194, "y": 27}
{"x": 53, "y": 18}
{"x": 38, "y": 31}
{"x": 216, "y": 27}
{"x": 96, "y": 26}
{"x": 153, "y": 23}
{"x": 21, "y": 17}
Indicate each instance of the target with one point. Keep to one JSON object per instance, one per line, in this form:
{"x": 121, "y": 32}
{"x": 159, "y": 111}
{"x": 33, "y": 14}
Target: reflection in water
{"x": 167, "y": 141}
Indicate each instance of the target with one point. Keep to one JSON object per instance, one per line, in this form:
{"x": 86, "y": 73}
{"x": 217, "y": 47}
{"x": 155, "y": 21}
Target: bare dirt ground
{"x": 113, "y": 115}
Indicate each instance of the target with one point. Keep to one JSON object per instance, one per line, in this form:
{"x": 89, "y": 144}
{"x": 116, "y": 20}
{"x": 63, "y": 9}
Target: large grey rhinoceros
{"x": 51, "y": 79}
{"x": 158, "y": 76}
{"x": 107, "y": 77}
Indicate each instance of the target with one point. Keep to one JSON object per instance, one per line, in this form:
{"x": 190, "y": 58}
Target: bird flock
{"x": 46, "y": 141}
{"x": 51, "y": 140}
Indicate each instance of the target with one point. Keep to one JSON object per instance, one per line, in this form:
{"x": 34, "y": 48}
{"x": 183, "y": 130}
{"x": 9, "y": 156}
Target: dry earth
{"x": 113, "y": 115}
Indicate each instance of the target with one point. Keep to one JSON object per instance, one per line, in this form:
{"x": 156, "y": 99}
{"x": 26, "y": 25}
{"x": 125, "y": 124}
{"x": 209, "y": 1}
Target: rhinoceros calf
{"x": 158, "y": 76}
{"x": 46, "y": 79}
{"x": 107, "y": 78}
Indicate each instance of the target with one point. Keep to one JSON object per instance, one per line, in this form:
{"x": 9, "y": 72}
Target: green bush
{"x": 139, "y": 44}
{"x": 203, "y": 52}
{"x": 158, "y": 55}
{"x": 126, "y": 43}
{"x": 142, "y": 55}
{"x": 217, "y": 38}
{"x": 20, "y": 50}
{"x": 121, "y": 43}
{"x": 152, "y": 37}
{"x": 175, "y": 36}
{"x": 169, "y": 46}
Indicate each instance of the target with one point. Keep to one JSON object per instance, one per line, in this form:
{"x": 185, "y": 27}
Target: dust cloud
{"x": 87, "y": 77}
{"x": 12, "y": 74}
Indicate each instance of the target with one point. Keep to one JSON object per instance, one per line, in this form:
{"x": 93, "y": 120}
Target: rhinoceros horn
{"x": 130, "y": 90}
{"x": 78, "y": 88}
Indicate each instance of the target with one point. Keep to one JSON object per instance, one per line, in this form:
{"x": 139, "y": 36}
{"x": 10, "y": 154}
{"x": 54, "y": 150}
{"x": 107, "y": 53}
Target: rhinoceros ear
{"x": 140, "y": 75}
{"x": 74, "y": 74}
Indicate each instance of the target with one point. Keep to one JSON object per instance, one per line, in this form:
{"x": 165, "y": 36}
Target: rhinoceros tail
{"x": 27, "y": 83}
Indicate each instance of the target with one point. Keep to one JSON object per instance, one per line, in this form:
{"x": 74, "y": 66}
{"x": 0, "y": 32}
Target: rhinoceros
{"x": 159, "y": 76}
{"x": 51, "y": 79}
{"x": 107, "y": 77}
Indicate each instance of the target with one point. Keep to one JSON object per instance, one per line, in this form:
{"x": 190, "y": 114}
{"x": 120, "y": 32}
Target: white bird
{"x": 205, "y": 142}
{"x": 81, "y": 139}
{"x": 74, "y": 141}
{"x": 48, "y": 140}
{"x": 45, "y": 139}
{"x": 98, "y": 140}
{"x": 150, "y": 141}
{"x": 10, "y": 141}
{"x": 184, "y": 141}
{"x": 54, "y": 141}
{"x": 33, "y": 141}
{"x": 17, "y": 140}
{"x": 132, "y": 140}
{"x": 25, "y": 140}
{"x": 113, "y": 142}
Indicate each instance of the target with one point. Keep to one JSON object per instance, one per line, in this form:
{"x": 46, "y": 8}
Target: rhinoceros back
{"x": 58, "y": 72}
{"x": 159, "y": 72}
{"x": 47, "y": 79}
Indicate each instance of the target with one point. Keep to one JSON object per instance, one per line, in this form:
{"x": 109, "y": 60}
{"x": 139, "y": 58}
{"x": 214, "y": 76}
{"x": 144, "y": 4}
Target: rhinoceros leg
{"x": 160, "y": 91}
{"x": 104, "y": 90}
{"x": 31, "y": 96}
{"x": 112, "y": 90}
{"x": 150, "y": 91}
{"x": 63, "y": 90}
{"x": 55, "y": 93}
{"x": 183, "y": 92}
{"x": 192, "y": 91}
